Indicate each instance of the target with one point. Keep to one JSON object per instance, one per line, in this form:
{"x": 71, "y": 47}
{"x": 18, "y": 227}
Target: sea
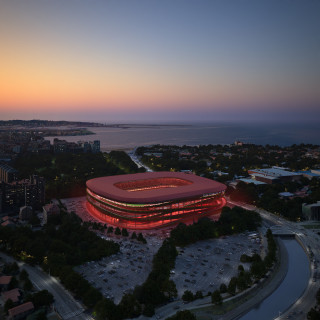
{"x": 129, "y": 136}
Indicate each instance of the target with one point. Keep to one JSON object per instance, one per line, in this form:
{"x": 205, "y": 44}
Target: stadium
{"x": 153, "y": 199}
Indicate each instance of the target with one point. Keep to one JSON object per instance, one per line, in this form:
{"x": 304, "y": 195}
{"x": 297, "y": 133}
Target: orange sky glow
{"x": 59, "y": 56}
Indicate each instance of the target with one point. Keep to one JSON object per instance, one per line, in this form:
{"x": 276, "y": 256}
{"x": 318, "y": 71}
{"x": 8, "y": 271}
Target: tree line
{"x": 235, "y": 220}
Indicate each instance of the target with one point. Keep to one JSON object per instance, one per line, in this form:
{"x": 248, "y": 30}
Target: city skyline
{"x": 160, "y": 61}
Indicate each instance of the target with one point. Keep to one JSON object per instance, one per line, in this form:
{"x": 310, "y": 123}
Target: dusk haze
{"x": 136, "y": 61}
{"x": 160, "y": 159}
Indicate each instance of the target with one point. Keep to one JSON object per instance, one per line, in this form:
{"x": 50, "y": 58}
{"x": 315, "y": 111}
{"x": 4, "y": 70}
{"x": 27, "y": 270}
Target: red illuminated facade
{"x": 153, "y": 199}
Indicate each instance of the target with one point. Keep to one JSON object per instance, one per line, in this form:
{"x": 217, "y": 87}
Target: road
{"x": 308, "y": 300}
{"x": 135, "y": 159}
{"x": 64, "y": 303}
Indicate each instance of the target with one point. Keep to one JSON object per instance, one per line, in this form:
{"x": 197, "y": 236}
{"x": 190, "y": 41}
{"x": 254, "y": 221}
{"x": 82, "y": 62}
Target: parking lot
{"x": 78, "y": 205}
{"x": 120, "y": 273}
{"x": 199, "y": 267}
{"x": 202, "y": 266}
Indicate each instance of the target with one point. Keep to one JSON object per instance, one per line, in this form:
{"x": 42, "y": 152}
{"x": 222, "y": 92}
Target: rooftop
{"x": 13, "y": 294}
{"x": 248, "y": 180}
{"x": 317, "y": 204}
{"x": 286, "y": 194}
{"x": 28, "y": 306}
{"x": 311, "y": 173}
{"x": 263, "y": 176}
{"x": 7, "y": 168}
{"x": 4, "y": 280}
{"x": 152, "y": 187}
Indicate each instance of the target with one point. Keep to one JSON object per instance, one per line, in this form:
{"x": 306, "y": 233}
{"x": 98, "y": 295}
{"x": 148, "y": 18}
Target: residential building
{"x": 7, "y": 173}
{"x": 311, "y": 211}
{"x": 49, "y": 209}
{"x": 14, "y": 295}
{"x": 21, "y": 311}
{"x": 63, "y": 146}
{"x": 27, "y": 192}
{"x": 274, "y": 175}
{"x": 4, "y": 282}
{"x": 95, "y": 146}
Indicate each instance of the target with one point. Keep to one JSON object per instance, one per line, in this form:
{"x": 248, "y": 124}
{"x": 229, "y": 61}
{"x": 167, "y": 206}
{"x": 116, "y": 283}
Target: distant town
{"x": 111, "y": 272}
{"x": 46, "y": 123}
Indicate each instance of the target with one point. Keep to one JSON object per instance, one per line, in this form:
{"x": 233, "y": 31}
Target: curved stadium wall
{"x": 153, "y": 199}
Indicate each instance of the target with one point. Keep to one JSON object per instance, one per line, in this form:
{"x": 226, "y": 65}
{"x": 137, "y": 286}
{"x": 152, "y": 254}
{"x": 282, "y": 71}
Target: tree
{"x": 245, "y": 258}
{"x": 42, "y": 298}
{"x": 256, "y": 258}
{"x": 318, "y": 296}
{"x": 183, "y": 315}
{"x": 106, "y": 309}
{"x": 27, "y": 286}
{"x": 216, "y": 297}
{"x": 198, "y": 295}
{"x": 242, "y": 282}
{"x": 124, "y": 232}
{"x": 34, "y": 220}
{"x": 258, "y": 269}
{"x": 223, "y": 288}
{"x": 24, "y": 275}
{"x": 313, "y": 314}
{"x": 42, "y": 316}
{"x": 134, "y": 235}
{"x": 122, "y": 160}
{"x": 13, "y": 283}
{"x": 231, "y": 221}
{"x": 168, "y": 287}
{"x": 110, "y": 229}
{"x": 91, "y": 297}
{"x": 148, "y": 310}
{"x": 232, "y": 286}
{"x": 11, "y": 268}
{"x": 187, "y": 296}
{"x": 8, "y": 305}
{"x": 240, "y": 268}
{"x": 141, "y": 238}
{"x": 129, "y": 306}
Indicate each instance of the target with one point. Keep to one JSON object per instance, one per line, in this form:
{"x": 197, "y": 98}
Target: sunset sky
{"x": 165, "y": 60}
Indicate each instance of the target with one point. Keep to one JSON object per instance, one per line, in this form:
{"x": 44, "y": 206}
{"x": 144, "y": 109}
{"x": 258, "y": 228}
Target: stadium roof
{"x": 108, "y": 187}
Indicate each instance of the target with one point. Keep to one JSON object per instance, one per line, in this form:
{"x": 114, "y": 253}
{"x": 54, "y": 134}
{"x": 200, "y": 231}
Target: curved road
{"x": 136, "y": 160}
{"x": 307, "y": 239}
{"x": 64, "y": 303}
